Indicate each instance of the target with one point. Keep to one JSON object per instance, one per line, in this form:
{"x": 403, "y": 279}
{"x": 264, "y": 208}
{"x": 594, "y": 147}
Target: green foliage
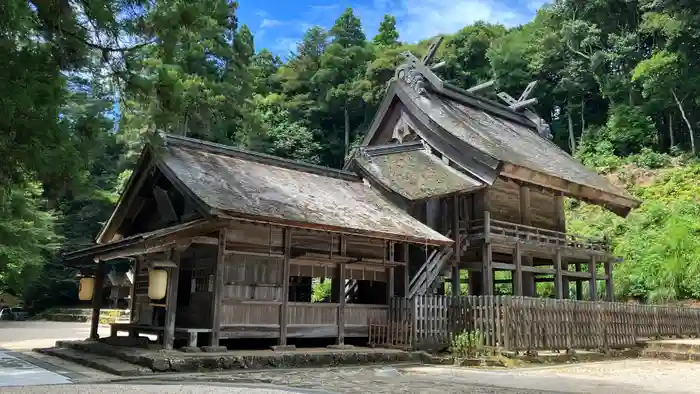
{"x": 659, "y": 242}
{"x": 27, "y": 230}
{"x": 388, "y": 35}
{"x": 321, "y": 290}
{"x": 467, "y": 344}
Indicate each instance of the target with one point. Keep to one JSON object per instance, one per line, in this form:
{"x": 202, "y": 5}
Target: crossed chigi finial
{"x": 416, "y": 73}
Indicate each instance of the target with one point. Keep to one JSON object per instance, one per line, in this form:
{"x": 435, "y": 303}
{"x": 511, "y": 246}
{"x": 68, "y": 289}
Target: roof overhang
{"x": 411, "y": 171}
{"x": 151, "y": 242}
{"x": 617, "y": 203}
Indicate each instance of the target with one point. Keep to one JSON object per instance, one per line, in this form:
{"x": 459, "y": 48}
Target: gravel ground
{"x": 655, "y": 375}
{"x": 415, "y": 379}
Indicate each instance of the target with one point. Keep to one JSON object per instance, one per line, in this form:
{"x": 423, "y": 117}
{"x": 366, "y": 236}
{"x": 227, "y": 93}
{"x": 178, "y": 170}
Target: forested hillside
{"x": 85, "y": 83}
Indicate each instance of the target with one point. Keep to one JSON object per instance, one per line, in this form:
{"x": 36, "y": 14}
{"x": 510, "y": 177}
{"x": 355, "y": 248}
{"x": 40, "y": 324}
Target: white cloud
{"x": 270, "y": 23}
{"x": 420, "y": 19}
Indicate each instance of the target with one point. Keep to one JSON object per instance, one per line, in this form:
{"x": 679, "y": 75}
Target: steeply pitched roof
{"x": 238, "y": 183}
{"x": 411, "y": 171}
{"x": 510, "y": 142}
{"x": 487, "y": 138}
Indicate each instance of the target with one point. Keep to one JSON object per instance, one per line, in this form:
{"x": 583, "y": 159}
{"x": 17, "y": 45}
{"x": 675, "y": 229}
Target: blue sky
{"x": 279, "y": 24}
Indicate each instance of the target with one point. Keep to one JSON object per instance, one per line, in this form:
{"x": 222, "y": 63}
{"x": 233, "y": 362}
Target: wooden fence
{"x": 522, "y": 323}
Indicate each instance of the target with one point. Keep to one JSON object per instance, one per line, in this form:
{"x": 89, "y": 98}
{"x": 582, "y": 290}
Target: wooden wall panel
{"x": 503, "y": 201}
{"x": 543, "y": 208}
{"x": 252, "y": 277}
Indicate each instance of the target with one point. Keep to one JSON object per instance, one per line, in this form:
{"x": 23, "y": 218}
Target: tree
{"x": 388, "y": 35}
{"x": 662, "y": 77}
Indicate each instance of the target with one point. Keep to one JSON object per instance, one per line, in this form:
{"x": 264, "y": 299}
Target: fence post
{"x": 507, "y": 302}
{"x": 657, "y": 330}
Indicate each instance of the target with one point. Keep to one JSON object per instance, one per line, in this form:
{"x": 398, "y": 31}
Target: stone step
{"x": 106, "y": 364}
{"x": 674, "y": 355}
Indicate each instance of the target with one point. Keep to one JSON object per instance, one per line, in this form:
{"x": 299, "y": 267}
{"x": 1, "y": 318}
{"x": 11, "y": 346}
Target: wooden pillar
{"x": 284, "y": 307}
{"x": 341, "y": 297}
{"x": 529, "y": 288}
{"x": 132, "y": 292}
{"x": 558, "y": 281}
{"x": 592, "y": 284}
{"x": 432, "y": 214}
{"x": 390, "y": 284}
{"x": 518, "y": 273}
{"x": 486, "y": 269}
{"x": 579, "y": 284}
{"x": 171, "y": 301}
{"x": 97, "y": 299}
{"x": 456, "y": 280}
{"x": 561, "y": 226}
{"x": 218, "y": 289}
{"x": 406, "y": 273}
{"x": 609, "y": 281}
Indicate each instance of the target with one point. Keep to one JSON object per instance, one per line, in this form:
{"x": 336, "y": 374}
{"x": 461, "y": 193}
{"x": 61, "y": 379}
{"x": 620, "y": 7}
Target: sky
{"x": 279, "y": 24}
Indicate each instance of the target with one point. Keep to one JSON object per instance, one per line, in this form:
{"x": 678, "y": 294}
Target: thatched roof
{"x": 411, "y": 171}
{"x": 244, "y": 184}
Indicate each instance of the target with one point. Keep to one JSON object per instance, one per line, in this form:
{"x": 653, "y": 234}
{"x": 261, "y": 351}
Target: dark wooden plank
{"x": 97, "y": 298}
{"x": 165, "y": 206}
{"x": 218, "y": 289}
{"x": 284, "y": 308}
{"x": 171, "y": 301}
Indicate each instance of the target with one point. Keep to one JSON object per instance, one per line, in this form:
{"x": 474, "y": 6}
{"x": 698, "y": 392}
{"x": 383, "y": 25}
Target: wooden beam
{"x": 165, "y": 206}
{"x": 171, "y": 302}
{"x": 97, "y": 298}
{"x": 218, "y": 290}
{"x": 284, "y": 308}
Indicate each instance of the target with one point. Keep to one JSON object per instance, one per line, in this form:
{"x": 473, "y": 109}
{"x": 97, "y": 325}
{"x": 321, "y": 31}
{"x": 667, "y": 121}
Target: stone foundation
{"x": 177, "y": 361}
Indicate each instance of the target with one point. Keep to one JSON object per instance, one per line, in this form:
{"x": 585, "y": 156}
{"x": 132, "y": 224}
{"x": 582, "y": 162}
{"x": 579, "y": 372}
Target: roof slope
{"x": 238, "y": 183}
{"x": 411, "y": 171}
{"x": 509, "y": 141}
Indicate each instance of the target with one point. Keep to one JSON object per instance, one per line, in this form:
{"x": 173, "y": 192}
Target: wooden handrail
{"x": 491, "y": 226}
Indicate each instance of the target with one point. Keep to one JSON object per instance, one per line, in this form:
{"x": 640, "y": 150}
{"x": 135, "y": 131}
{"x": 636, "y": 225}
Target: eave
{"x": 617, "y": 203}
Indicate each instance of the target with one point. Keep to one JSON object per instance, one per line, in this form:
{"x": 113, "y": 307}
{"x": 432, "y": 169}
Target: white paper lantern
{"x": 86, "y": 288}
{"x": 157, "y": 284}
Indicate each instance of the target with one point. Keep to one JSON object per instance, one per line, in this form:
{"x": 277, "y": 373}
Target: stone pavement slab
{"x": 16, "y": 371}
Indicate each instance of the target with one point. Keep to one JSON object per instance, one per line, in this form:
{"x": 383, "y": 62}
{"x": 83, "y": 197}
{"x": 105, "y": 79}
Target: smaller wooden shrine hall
{"x": 225, "y": 244}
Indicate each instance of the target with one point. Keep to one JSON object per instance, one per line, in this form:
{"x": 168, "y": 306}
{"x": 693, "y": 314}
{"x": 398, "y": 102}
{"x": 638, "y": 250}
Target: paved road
{"x": 27, "y": 335}
{"x": 20, "y": 366}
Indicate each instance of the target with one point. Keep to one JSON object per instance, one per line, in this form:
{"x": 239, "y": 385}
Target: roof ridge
{"x": 264, "y": 158}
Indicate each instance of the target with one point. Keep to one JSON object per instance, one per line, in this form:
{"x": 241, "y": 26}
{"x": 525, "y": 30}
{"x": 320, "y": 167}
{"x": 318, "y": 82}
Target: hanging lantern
{"x": 157, "y": 284}
{"x": 86, "y": 288}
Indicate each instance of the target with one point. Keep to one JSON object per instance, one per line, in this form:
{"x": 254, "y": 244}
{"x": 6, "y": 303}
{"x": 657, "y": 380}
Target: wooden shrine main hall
{"x": 446, "y": 180}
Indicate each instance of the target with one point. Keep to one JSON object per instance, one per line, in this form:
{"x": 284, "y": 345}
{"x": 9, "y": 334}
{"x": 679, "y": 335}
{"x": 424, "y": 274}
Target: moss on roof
{"x": 415, "y": 174}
